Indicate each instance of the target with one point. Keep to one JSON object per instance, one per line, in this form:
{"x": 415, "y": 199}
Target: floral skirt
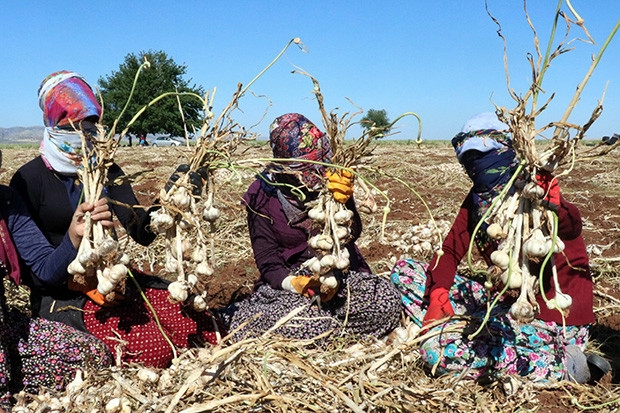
{"x": 365, "y": 305}
{"x": 35, "y": 353}
{"x": 503, "y": 346}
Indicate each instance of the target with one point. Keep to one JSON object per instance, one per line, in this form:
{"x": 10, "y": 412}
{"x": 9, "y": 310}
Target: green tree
{"x": 164, "y": 75}
{"x": 376, "y": 121}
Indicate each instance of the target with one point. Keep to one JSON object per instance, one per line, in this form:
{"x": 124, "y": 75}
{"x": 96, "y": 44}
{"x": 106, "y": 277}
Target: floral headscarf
{"x": 294, "y": 136}
{"x": 65, "y": 96}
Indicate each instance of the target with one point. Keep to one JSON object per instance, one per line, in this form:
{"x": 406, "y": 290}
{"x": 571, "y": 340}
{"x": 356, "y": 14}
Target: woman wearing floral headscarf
{"x": 542, "y": 350}
{"x": 50, "y": 187}
{"x": 279, "y": 228}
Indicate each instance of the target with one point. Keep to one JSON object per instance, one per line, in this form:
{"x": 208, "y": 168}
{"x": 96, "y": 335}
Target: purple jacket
{"x": 280, "y": 247}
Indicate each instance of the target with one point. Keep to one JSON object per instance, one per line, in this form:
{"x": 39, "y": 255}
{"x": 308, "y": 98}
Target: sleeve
{"x": 136, "y": 221}
{"x": 441, "y": 270}
{"x": 270, "y": 264}
{"x": 48, "y": 264}
{"x": 569, "y": 220}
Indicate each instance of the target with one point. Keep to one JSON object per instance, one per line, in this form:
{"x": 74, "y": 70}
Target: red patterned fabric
{"x": 131, "y": 329}
{"x": 8, "y": 253}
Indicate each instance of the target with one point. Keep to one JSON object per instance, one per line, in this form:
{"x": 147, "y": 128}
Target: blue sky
{"x": 440, "y": 59}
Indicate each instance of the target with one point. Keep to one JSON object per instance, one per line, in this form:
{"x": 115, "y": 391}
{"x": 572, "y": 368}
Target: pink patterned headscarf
{"x": 65, "y": 96}
{"x": 293, "y": 136}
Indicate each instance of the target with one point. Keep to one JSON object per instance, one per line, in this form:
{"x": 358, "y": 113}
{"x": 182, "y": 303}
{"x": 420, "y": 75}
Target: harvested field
{"x": 271, "y": 374}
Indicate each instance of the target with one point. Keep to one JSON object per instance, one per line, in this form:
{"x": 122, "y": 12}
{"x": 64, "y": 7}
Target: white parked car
{"x": 165, "y": 141}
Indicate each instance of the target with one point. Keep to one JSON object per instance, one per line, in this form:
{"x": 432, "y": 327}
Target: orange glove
{"x": 302, "y": 284}
{"x": 550, "y": 185}
{"x": 439, "y": 306}
{"x": 340, "y": 184}
{"x": 94, "y": 295}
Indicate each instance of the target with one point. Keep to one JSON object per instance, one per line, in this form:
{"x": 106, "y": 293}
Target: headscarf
{"x": 293, "y": 136}
{"x": 474, "y": 134}
{"x": 65, "y": 97}
{"x": 490, "y": 172}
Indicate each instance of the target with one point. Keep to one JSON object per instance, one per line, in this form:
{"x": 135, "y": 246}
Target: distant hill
{"x": 20, "y": 134}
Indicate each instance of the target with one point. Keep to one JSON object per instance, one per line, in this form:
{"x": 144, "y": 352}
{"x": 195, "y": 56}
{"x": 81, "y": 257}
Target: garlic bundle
{"x": 524, "y": 229}
{"x": 335, "y": 220}
{"x": 184, "y": 217}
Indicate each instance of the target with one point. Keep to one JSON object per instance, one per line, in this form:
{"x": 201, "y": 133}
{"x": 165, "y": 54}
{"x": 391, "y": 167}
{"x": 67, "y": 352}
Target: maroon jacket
{"x": 280, "y": 247}
{"x": 572, "y": 266}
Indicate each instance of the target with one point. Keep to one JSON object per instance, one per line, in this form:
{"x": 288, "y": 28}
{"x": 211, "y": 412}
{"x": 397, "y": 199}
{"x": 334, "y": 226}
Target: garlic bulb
{"x": 512, "y": 278}
{"x": 203, "y": 269}
{"x": 343, "y": 216}
{"x": 329, "y": 281}
{"x": 501, "y": 259}
{"x": 211, "y": 214}
{"x": 199, "y": 303}
{"x": 316, "y": 214}
{"x": 536, "y": 246}
{"x": 495, "y": 231}
{"x": 178, "y": 292}
{"x": 148, "y": 375}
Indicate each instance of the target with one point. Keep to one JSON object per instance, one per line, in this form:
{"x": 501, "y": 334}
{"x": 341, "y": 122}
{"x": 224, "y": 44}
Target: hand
{"x": 181, "y": 169}
{"x": 302, "y": 284}
{"x": 340, "y": 184}
{"x": 550, "y": 185}
{"x": 439, "y": 306}
{"x": 91, "y": 292}
{"x": 100, "y": 211}
{"x": 197, "y": 180}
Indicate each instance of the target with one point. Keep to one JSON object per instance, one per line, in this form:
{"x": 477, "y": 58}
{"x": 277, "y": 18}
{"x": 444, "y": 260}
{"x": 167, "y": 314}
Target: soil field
{"x": 420, "y": 182}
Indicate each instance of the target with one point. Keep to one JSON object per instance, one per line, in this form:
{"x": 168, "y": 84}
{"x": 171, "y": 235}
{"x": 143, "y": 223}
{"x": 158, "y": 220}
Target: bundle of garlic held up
{"x": 332, "y": 216}
{"x": 99, "y": 261}
{"x": 522, "y": 224}
{"x": 187, "y": 219}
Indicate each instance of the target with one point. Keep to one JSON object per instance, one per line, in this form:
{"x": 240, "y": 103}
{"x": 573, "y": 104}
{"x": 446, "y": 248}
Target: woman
{"x": 279, "y": 230}
{"x": 50, "y": 186}
{"x": 34, "y": 352}
{"x": 542, "y": 349}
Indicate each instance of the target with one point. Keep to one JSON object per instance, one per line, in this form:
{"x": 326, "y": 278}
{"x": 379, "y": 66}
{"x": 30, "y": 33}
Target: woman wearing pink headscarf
{"x": 51, "y": 188}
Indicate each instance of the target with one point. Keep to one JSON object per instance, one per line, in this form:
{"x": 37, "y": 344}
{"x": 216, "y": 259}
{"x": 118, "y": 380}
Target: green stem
{"x": 295, "y": 40}
{"x": 133, "y": 88}
{"x": 498, "y": 199}
{"x": 545, "y": 63}
{"x": 155, "y": 317}
{"x": 582, "y": 85}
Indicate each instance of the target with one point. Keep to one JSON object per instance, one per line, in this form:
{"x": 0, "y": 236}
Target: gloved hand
{"x": 181, "y": 169}
{"x": 550, "y": 185}
{"x": 302, "y": 284}
{"x": 95, "y": 295}
{"x": 439, "y": 306}
{"x": 340, "y": 184}
{"x": 196, "y": 179}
